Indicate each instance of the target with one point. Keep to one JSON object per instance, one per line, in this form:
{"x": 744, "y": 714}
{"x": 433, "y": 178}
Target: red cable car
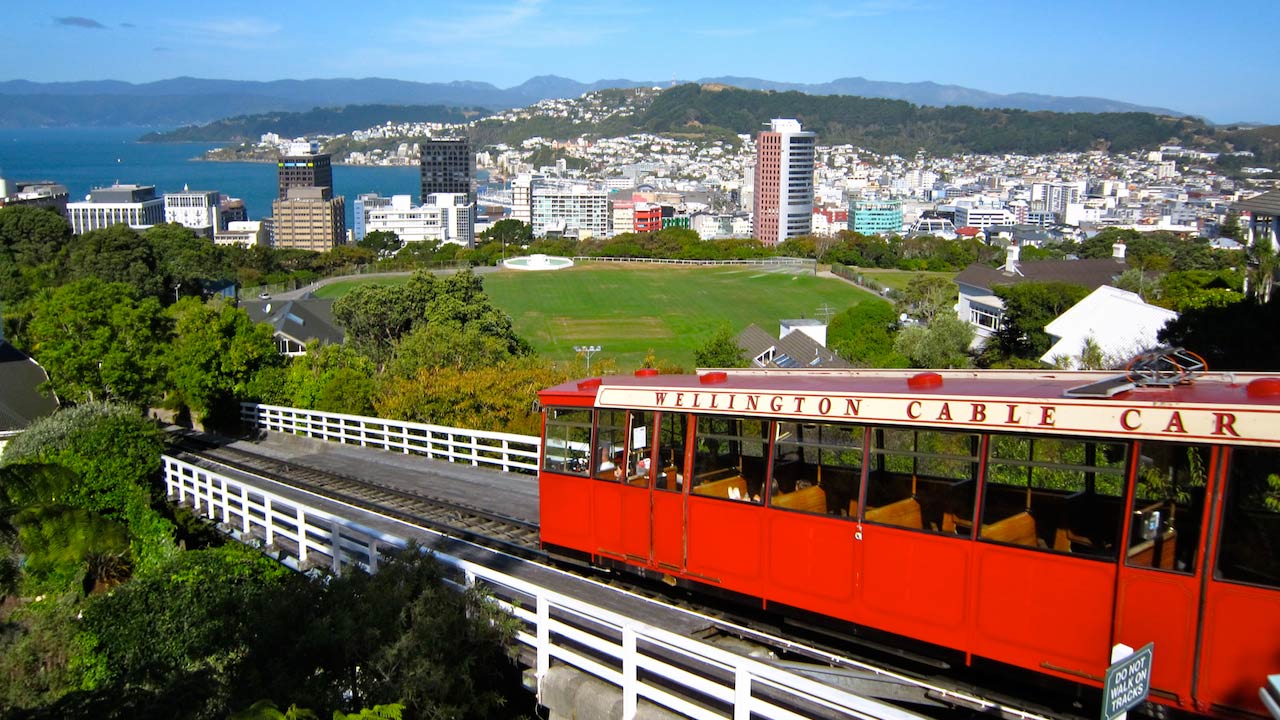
{"x": 1033, "y": 518}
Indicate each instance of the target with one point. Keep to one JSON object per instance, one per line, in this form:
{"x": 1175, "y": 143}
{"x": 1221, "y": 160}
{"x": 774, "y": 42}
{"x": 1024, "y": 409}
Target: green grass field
{"x": 631, "y": 309}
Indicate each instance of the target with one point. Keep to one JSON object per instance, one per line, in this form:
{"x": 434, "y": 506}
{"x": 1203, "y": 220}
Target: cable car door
{"x": 670, "y": 468}
{"x": 1162, "y": 567}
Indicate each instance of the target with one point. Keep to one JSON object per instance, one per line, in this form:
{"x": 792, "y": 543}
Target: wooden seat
{"x": 903, "y": 513}
{"x": 720, "y": 488}
{"x": 811, "y": 499}
{"x": 1157, "y": 552}
{"x": 1017, "y": 529}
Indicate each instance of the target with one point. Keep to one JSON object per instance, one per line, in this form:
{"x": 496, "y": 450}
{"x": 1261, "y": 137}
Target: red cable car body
{"x": 1004, "y": 514}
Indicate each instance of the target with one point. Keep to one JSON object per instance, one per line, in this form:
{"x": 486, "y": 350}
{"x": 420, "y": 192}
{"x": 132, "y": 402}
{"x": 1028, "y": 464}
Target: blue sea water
{"x": 85, "y": 158}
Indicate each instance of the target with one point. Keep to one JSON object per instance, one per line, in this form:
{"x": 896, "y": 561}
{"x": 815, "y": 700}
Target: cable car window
{"x": 1168, "y": 503}
{"x": 922, "y": 479}
{"x": 611, "y": 449}
{"x": 566, "y": 448}
{"x": 639, "y": 447}
{"x": 729, "y": 457}
{"x": 817, "y": 468}
{"x": 1249, "y": 549}
{"x": 671, "y": 434}
{"x": 1062, "y": 494}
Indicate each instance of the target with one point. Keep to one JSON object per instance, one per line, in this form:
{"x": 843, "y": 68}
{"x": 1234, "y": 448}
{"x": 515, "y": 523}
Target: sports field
{"x": 628, "y": 310}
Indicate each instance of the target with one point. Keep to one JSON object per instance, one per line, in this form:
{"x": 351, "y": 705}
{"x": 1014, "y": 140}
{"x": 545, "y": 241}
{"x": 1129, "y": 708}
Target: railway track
{"x": 521, "y": 539}
{"x": 493, "y": 530}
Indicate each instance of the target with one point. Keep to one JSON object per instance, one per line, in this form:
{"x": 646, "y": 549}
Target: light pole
{"x": 589, "y": 350}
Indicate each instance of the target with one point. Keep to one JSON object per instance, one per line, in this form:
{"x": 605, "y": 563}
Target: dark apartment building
{"x": 448, "y": 166}
{"x": 302, "y": 169}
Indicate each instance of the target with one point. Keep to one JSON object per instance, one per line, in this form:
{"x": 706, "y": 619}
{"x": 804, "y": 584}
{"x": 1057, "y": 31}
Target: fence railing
{"x": 789, "y": 262}
{"x": 505, "y": 451}
{"x": 686, "y": 675}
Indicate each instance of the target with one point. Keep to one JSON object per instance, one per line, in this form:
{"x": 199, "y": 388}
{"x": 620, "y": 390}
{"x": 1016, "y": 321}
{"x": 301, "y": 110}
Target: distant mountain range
{"x": 186, "y": 100}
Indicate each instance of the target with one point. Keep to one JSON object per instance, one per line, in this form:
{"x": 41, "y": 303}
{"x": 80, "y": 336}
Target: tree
{"x": 864, "y": 335}
{"x": 944, "y": 343}
{"x": 721, "y": 350}
{"x": 332, "y": 378}
{"x": 117, "y": 254}
{"x": 1231, "y": 227}
{"x": 1262, "y": 270}
{"x": 185, "y": 260}
{"x": 927, "y": 296}
{"x": 113, "y": 451}
{"x": 383, "y": 243}
{"x": 490, "y": 397}
{"x": 33, "y": 244}
{"x": 375, "y": 316}
{"x": 1028, "y": 307}
{"x": 1228, "y": 337}
{"x": 215, "y": 353}
{"x": 99, "y": 340}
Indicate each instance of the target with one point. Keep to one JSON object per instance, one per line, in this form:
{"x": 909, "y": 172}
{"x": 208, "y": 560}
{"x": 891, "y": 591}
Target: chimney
{"x": 1117, "y": 251}
{"x": 1011, "y": 258}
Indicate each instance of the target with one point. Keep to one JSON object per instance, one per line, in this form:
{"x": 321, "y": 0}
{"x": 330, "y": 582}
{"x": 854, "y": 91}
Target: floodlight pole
{"x": 589, "y": 350}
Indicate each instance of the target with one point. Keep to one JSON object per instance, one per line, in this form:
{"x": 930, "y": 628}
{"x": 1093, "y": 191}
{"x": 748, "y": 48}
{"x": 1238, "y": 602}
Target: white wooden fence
{"x": 505, "y": 451}
{"x": 665, "y": 668}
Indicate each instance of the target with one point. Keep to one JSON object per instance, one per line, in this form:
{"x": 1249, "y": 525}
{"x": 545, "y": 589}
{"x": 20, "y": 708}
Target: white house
{"x": 1118, "y": 321}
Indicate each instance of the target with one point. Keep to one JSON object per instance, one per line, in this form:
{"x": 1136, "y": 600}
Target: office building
{"x": 303, "y": 165}
{"x": 871, "y": 216}
{"x": 310, "y": 219}
{"x": 244, "y": 232}
{"x": 648, "y": 217}
{"x": 231, "y": 210}
{"x": 44, "y": 193}
{"x": 195, "y": 209}
{"x": 783, "y": 206}
{"x": 448, "y": 166}
{"x": 522, "y": 198}
{"x": 981, "y": 216}
{"x": 576, "y": 212}
{"x": 134, "y": 205}
{"x": 444, "y": 218}
{"x": 364, "y": 204}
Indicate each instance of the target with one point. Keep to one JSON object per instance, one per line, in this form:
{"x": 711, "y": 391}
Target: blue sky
{"x": 1196, "y": 57}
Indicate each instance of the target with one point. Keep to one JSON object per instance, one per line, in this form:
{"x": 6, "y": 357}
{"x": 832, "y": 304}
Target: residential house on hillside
{"x": 801, "y": 344}
{"x": 982, "y": 308}
{"x": 296, "y": 322}
{"x": 1119, "y": 323}
{"x": 21, "y": 401}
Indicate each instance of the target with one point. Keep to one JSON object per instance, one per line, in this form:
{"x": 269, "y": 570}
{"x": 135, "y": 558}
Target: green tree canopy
{"x": 185, "y": 260}
{"x": 864, "y": 335}
{"x": 927, "y": 296}
{"x": 99, "y": 340}
{"x": 944, "y": 343}
{"x": 721, "y": 350}
{"x": 215, "y": 354}
{"x": 33, "y": 245}
{"x": 383, "y": 243}
{"x": 1028, "y": 307}
{"x": 117, "y": 254}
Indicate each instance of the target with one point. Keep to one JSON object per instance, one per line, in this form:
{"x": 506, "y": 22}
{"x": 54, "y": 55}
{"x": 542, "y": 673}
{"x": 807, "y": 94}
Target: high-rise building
{"x": 134, "y": 205}
{"x": 577, "y": 212}
{"x": 303, "y": 165}
{"x": 783, "y": 205}
{"x": 309, "y": 219}
{"x": 449, "y": 166}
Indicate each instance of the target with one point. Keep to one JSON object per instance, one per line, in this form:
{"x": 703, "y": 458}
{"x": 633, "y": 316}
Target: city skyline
{"x": 1171, "y": 54}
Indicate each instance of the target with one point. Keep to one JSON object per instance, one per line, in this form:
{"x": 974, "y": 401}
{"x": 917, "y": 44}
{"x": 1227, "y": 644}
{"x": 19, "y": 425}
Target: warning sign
{"x": 1128, "y": 683}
